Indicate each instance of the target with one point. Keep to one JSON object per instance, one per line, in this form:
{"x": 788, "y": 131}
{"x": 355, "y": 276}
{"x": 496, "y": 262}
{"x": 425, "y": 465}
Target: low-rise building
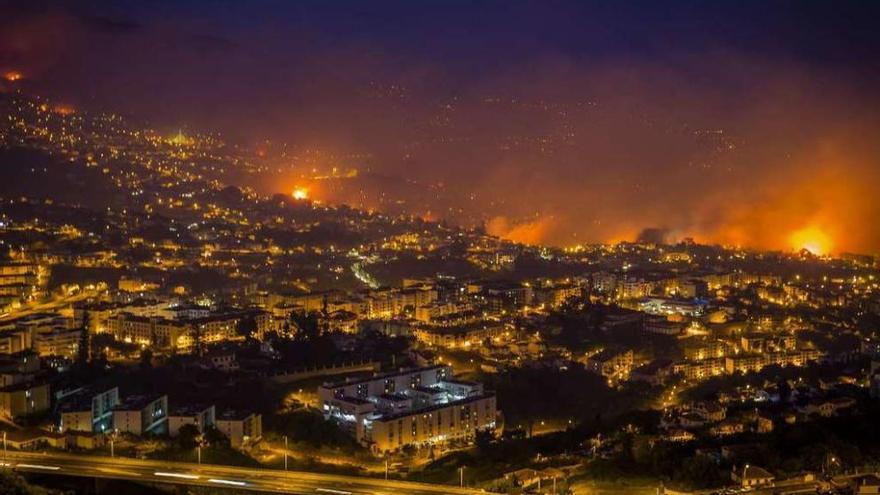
{"x": 827, "y": 408}
{"x": 201, "y": 417}
{"x": 659, "y": 325}
{"x": 33, "y": 438}
{"x": 611, "y": 363}
{"x": 24, "y": 399}
{"x": 457, "y": 420}
{"x": 241, "y": 428}
{"x": 654, "y": 373}
{"x": 408, "y": 407}
{"x": 139, "y": 414}
{"x": 89, "y": 410}
{"x": 462, "y": 336}
{"x": 699, "y": 369}
{"x": 667, "y": 306}
{"x": 752, "y": 476}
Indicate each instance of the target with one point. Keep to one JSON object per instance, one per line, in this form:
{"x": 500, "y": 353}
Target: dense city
{"x": 439, "y": 248}
{"x": 168, "y": 316}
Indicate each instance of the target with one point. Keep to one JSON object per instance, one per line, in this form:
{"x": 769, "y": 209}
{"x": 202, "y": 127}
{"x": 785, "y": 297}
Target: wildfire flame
{"x": 813, "y": 239}
{"x": 300, "y": 194}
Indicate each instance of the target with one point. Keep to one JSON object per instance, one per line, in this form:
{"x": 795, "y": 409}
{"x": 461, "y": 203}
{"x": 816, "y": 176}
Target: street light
{"x": 112, "y": 440}
{"x": 461, "y": 476}
{"x": 285, "y": 452}
{"x": 200, "y": 439}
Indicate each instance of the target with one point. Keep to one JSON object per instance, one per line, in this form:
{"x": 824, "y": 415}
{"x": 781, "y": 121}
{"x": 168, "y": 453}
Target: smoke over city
{"x": 556, "y": 144}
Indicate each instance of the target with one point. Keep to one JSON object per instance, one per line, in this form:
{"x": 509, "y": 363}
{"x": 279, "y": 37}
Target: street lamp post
{"x": 285, "y": 452}
{"x": 112, "y": 442}
{"x": 4, "y": 446}
{"x": 461, "y": 476}
{"x": 200, "y": 440}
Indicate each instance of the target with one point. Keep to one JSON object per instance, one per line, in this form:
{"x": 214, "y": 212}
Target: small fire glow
{"x": 63, "y": 109}
{"x": 300, "y": 194}
{"x": 13, "y": 76}
{"x": 813, "y": 239}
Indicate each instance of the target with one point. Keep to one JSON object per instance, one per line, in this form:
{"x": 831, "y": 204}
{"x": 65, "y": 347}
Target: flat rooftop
{"x": 136, "y": 402}
{"x": 381, "y": 376}
{"x": 436, "y": 407}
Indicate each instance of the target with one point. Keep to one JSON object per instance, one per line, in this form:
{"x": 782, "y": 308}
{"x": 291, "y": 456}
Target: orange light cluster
{"x": 813, "y": 239}
{"x": 300, "y": 194}
{"x": 13, "y": 76}
{"x": 64, "y": 110}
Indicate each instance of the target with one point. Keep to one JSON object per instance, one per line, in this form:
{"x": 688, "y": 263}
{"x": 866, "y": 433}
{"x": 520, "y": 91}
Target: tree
{"x": 215, "y": 437}
{"x": 146, "y": 359}
{"x": 197, "y": 340}
{"x": 784, "y": 391}
{"x": 246, "y": 327}
{"x": 188, "y": 436}
{"x": 84, "y": 350}
{"x": 310, "y": 428}
{"x": 483, "y": 439}
{"x": 14, "y": 484}
{"x": 307, "y": 326}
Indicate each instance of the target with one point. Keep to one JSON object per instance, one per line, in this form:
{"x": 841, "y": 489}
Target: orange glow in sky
{"x": 300, "y": 193}
{"x": 12, "y": 76}
{"x": 813, "y": 239}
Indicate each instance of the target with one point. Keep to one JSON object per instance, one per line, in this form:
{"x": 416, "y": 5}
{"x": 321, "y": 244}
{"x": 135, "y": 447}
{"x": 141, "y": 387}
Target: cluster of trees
{"x": 639, "y": 457}
{"x": 189, "y": 437}
{"x": 852, "y": 441}
{"x": 214, "y": 446}
{"x": 12, "y": 483}
{"x": 529, "y": 395}
{"x": 308, "y": 427}
{"x": 312, "y": 345}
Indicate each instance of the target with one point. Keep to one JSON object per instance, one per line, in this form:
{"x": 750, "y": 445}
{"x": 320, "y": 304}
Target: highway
{"x": 51, "y": 304}
{"x": 262, "y": 480}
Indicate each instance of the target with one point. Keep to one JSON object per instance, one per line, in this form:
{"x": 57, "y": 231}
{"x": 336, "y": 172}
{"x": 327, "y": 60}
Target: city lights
{"x": 545, "y": 248}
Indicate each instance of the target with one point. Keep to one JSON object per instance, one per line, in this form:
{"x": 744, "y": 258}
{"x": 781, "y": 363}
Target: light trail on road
{"x": 260, "y": 480}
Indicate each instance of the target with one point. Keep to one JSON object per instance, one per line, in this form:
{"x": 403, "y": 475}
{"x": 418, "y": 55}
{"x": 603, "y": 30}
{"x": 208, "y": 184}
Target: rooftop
{"x": 137, "y": 402}
{"x": 381, "y": 376}
{"x": 436, "y": 407}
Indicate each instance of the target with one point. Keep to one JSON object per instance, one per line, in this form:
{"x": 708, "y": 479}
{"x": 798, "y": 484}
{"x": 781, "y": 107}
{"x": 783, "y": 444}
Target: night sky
{"x": 752, "y": 123}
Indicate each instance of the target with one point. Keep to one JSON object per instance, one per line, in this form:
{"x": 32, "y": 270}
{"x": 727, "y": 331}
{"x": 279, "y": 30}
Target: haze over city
{"x": 439, "y": 247}
{"x": 608, "y": 118}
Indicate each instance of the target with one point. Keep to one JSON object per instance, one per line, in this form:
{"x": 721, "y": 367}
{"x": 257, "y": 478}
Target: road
{"x": 263, "y": 480}
{"x": 48, "y": 305}
{"x": 361, "y": 274}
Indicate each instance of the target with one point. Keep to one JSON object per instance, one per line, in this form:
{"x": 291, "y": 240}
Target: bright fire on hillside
{"x": 12, "y": 76}
{"x": 63, "y": 109}
{"x": 813, "y": 239}
{"x": 300, "y": 194}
